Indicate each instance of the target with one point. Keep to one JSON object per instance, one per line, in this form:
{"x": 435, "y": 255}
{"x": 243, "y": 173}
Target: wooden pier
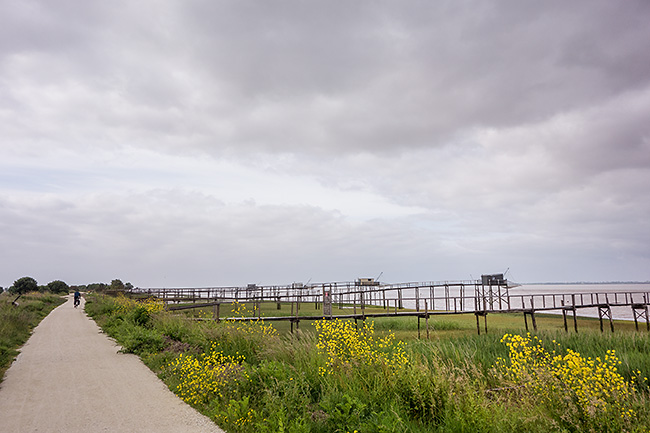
{"x": 367, "y": 298}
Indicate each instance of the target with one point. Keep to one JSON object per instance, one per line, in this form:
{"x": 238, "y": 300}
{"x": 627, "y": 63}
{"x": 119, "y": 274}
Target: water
{"x": 618, "y": 313}
{"x": 522, "y": 294}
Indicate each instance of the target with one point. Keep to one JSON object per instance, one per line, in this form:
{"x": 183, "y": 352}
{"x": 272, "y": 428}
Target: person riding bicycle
{"x": 77, "y": 298}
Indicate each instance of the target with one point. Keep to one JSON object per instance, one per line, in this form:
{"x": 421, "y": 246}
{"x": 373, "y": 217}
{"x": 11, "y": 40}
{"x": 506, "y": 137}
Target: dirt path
{"x": 70, "y": 378}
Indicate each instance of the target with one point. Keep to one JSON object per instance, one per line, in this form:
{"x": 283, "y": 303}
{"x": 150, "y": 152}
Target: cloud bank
{"x": 202, "y": 143}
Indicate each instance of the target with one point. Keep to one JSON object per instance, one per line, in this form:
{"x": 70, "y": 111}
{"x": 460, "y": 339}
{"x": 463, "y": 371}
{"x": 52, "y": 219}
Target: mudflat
{"x": 69, "y": 377}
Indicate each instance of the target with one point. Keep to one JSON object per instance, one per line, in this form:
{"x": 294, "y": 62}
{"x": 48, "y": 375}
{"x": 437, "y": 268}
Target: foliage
{"x": 347, "y": 347}
{"x": 335, "y": 378}
{"x": 24, "y": 285}
{"x": 205, "y": 376}
{"x": 58, "y": 286}
{"x": 593, "y": 389}
{"x": 117, "y": 285}
{"x": 97, "y": 287}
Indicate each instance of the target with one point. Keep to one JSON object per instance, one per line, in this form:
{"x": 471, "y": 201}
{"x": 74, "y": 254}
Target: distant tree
{"x": 96, "y": 287}
{"x": 127, "y": 286}
{"x": 24, "y": 285}
{"x": 117, "y": 285}
{"x": 58, "y": 286}
{"x": 1, "y": 289}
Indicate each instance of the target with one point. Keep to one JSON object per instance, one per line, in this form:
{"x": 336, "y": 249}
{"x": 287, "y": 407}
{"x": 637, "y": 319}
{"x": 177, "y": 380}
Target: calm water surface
{"x": 622, "y": 313}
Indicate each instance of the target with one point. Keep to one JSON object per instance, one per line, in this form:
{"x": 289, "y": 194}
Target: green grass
{"x": 449, "y": 382}
{"x": 17, "y": 322}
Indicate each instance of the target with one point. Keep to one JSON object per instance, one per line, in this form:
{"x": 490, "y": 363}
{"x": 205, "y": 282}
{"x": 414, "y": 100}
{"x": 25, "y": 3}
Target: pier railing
{"x": 421, "y": 299}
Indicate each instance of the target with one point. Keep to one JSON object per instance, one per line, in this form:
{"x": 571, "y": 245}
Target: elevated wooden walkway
{"x": 413, "y": 299}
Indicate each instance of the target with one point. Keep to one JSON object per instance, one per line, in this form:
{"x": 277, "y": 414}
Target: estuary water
{"x": 619, "y": 313}
{"x": 546, "y": 295}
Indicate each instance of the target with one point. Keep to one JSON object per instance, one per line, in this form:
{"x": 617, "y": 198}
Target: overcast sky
{"x": 206, "y": 142}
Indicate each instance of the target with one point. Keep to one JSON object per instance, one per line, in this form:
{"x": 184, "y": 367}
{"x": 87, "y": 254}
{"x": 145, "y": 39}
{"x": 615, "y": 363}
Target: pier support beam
{"x": 531, "y": 313}
{"x": 640, "y": 312}
{"x": 605, "y": 311}
{"x": 478, "y": 324}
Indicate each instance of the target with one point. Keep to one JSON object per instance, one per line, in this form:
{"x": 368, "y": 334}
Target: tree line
{"x": 28, "y": 284}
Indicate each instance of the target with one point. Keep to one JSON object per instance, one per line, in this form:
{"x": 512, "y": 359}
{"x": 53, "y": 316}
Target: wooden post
{"x": 426, "y": 317}
{"x": 478, "y": 324}
{"x": 418, "y": 327}
{"x": 636, "y": 323}
{"x": 363, "y": 305}
{"x": 399, "y": 296}
{"x": 600, "y": 318}
{"x": 532, "y": 316}
{"x": 609, "y": 311}
{"x": 485, "y": 321}
{"x": 526, "y": 321}
{"x": 215, "y": 312}
{"x": 645, "y": 303}
{"x": 575, "y": 319}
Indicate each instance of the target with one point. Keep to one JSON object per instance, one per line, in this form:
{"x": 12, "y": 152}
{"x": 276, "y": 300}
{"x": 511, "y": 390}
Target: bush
{"x": 58, "y": 286}
{"x": 24, "y": 285}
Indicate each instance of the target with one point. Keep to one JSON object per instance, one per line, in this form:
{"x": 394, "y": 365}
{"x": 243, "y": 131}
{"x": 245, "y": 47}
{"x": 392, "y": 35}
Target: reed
{"x": 342, "y": 376}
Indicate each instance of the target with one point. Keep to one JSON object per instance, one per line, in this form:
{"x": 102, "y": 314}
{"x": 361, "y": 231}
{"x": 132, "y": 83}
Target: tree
{"x": 117, "y": 285}
{"x": 96, "y": 287}
{"x": 24, "y": 285}
{"x": 58, "y": 286}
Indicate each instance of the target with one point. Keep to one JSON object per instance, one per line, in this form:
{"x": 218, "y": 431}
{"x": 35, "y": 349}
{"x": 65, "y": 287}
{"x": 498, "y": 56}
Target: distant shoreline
{"x": 575, "y": 283}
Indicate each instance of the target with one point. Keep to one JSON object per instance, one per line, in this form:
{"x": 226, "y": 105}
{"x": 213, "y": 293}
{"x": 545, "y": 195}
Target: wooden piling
{"x": 575, "y": 319}
{"x": 611, "y": 322}
{"x": 532, "y": 313}
{"x": 426, "y": 317}
{"x": 600, "y": 318}
{"x": 215, "y": 312}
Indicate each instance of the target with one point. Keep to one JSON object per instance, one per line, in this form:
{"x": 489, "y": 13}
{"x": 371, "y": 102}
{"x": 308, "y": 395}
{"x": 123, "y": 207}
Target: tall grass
{"x": 17, "y": 322}
{"x": 335, "y": 377}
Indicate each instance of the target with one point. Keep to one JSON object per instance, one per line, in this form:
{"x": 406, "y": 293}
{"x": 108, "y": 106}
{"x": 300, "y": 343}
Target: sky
{"x": 196, "y": 143}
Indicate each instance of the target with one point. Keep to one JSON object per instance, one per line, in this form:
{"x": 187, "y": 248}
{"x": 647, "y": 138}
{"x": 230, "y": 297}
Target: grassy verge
{"x": 16, "y": 323}
{"x": 338, "y": 376}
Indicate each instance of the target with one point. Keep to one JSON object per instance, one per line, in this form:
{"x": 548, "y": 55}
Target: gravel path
{"x": 70, "y": 378}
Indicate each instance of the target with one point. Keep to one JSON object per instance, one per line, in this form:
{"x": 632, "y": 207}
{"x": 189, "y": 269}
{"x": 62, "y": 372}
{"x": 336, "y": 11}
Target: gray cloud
{"x": 295, "y": 140}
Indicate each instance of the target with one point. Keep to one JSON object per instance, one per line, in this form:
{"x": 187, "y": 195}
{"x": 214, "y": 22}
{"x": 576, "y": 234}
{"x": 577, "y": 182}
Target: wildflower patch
{"x": 344, "y": 346}
{"x": 206, "y": 376}
{"x": 593, "y": 386}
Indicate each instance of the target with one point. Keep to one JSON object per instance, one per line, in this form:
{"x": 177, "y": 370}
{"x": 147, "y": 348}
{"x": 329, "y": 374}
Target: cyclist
{"x": 77, "y": 298}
